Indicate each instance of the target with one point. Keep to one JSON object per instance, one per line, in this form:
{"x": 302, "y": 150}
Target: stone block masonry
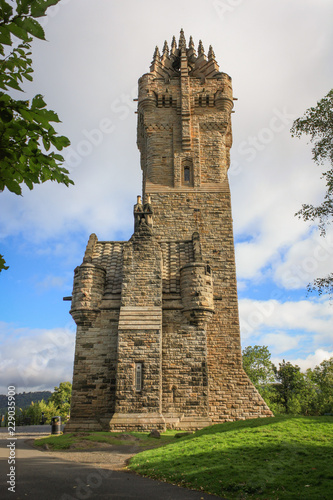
{"x": 158, "y": 340}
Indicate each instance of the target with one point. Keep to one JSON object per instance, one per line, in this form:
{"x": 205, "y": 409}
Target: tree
{"x": 317, "y": 122}
{"x": 290, "y": 387}
{"x": 29, "y": 144}
{"x": 258, "y": 366}
{"x": 260, "y": 370}
{"x": 61, "y": 398}
{"x": 322, "y": 376}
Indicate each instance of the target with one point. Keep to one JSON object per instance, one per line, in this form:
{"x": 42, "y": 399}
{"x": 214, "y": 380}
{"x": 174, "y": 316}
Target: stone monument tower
{"x": 158, "y": 341}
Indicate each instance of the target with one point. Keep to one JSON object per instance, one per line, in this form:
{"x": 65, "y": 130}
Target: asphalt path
{"x": 39, "y": 476}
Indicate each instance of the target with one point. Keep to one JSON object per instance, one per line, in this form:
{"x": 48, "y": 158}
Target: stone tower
{"x": 158, "y": 341}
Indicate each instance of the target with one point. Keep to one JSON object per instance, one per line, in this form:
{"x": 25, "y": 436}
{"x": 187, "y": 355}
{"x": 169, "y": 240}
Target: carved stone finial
{"x": 211, "y": 53}
{"x": 173, "y": 45}
{"x": 165, "y": 48}
{"x": 201, "y": 50}
{"x": 182, "y": 41}
{"x": 157, "y": 55}
{"x": 148, "y": 211}
{"x": 191, "y": 43}
{"x": 138, "y": 213}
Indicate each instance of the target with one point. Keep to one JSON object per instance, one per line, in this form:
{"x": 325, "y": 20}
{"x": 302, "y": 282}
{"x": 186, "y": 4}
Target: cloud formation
{"x": 279, "y": 56}
{"x": 34, "y": 360}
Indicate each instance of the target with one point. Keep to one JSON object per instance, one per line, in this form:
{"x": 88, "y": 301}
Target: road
{"x": 39, "y": 476}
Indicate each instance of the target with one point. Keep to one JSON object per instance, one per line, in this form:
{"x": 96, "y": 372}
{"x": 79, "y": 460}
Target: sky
{"x": 279, "y": 55}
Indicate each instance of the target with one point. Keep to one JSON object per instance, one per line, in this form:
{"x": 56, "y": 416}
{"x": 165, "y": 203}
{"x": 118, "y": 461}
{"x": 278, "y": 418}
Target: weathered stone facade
{"x": 158, "y": 341}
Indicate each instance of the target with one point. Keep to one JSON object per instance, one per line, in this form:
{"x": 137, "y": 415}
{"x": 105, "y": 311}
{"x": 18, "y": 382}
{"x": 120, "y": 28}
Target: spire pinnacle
{"x": 182, "y": 41}
{"x": 156, "y": 56}
{"x": 191, "y": 43}
{"x": 201, "y": 50}
{"x": 173, "y": 45}
{"x": 211, "y": 53}
{"x": 165, "y": 48}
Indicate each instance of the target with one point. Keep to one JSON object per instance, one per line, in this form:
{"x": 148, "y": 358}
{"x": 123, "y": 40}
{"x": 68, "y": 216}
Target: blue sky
{"x": 279, "y": 55}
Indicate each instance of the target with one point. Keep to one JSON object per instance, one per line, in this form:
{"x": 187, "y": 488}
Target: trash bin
{"x": 56, "y": 425}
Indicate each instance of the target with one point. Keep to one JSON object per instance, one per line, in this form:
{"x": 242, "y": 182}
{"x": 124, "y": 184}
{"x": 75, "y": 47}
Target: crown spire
{"x": 201, "y": 50}
{"x": 183, "y": 60}
{"x": 211, "y": 53}
{"x": 157, "y": 55}
{"x": 173, "y": 45}
{"x": 165, "y": 48}
{"x": 182, "y": 41}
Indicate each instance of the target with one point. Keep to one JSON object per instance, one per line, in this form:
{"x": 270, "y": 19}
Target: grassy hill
{"x": 271, "y": 458}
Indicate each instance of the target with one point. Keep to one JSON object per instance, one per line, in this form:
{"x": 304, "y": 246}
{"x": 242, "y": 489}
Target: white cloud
{"x": 35, "y": 359}
{"x": 310, "y": 361}
{"x": 280, "y": 341}
{"x": 304, "y": 326}
{"x": 307, "y": 259}
{"x": 87, "y": 72}
{"x": 52, "y": 282}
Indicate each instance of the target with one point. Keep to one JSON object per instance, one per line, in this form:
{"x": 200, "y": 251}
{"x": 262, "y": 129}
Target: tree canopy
{"x": 286, "y": 389}
{"x": 29, "y": 144}
{"x": 317, "y": 123}
{"x": 257, "y": 365}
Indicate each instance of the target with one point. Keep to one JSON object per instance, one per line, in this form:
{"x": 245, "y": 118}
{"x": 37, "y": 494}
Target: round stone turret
{"x": 88, "y": 289}
{"x": 196, "y": 284}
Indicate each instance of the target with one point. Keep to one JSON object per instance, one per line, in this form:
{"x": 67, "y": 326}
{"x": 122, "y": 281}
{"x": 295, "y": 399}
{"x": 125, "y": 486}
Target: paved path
{"x": 41, "y": 475}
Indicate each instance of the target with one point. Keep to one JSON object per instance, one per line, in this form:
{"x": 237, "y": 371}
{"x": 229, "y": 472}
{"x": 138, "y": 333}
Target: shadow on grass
{"x": 271, "y": 466}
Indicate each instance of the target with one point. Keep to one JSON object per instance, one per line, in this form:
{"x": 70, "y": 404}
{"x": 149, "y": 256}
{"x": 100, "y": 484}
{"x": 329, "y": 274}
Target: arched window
{"x": 187, "y": 172}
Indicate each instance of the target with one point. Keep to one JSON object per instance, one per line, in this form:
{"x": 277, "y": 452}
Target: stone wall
{"x": 165, "y": 303}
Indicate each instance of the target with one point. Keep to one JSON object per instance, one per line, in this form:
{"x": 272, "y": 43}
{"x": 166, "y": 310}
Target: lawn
{"x": 65, "y": 441}
{"x": 271, "y": 458}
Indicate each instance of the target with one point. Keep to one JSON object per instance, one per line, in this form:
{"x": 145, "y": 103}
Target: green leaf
{"x": 25, "y": 114}
{"x": 38, "y": 102}
{"x": 23, "y": 6}
{"x": 46, "y": 144}
{"x": 13, "y": 84}
{"x": 13, "y": 186}
{"x": 31, "y": 26}
{"x": 5, "y": 11}
{"x": 18, "y": 32}
{"x": 6, "y": 115}
{"x": 39, "y": 7}
{"x": 60, "y": 142}
{"x": 2, "y": 264}
{"x": 5, "y": 35}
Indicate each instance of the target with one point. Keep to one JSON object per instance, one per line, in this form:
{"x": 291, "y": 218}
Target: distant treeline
{"x": 24, "y": 400}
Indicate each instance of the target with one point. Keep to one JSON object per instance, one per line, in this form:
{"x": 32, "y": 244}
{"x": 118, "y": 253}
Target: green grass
{"x": 272, "y": 458}
{"x": 65, "y": 441}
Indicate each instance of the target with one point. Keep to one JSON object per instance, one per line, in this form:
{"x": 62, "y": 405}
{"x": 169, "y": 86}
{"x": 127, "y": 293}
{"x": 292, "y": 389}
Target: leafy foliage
{"x": 285, "y": 388}
{"x": 30, "y": 406}
{"x": 258, "y": 366}
{"x": 317, "y": 123}
{"x": 29, "y": 144}
{"x": 61, "y": 398}
{"x": 23, "y": 400}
